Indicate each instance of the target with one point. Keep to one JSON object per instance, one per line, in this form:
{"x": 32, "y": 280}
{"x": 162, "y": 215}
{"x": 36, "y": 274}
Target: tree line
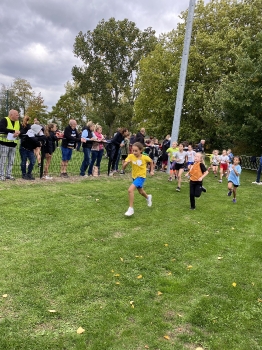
{"x": 129, "y": 77}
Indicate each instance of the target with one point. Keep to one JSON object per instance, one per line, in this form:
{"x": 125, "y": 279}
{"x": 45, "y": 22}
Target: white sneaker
{"x": 48, "y": 177}
{"x": 130, "y": 211}
{"x": 149, "y": 200}
{"x": 254, "y": 182}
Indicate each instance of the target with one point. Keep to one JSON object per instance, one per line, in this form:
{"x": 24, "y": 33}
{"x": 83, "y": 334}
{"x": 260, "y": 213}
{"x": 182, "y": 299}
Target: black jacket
{"x": 140, "y": 138}
{"x": 71, "y": 137}
{"x": 30, "y": 143}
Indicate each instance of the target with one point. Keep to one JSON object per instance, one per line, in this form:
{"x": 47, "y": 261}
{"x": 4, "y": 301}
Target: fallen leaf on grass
{"x": 173, "y": 259}
{"x": 112, "y": 271}
{"x": 121, "y": 259}
{"x": 159, "y": 293}
{"x": 97, "y": 200}
{"x": 189, "y": 267}
{"x": 80, "y": 330}
{"x": 146, "y": 347}
{"x": 253, "y": 283}
{"x": 234, "y": 284}
{"x": 132, "y": 304}
{"x": 179, "y": 315}
{"x": 199, "y": 348}
{"x": 233, "y": 228}
{"x": 4, "y": 295}
{"x": 117, "y": 275}
{"x": 139, "y": 256}
{"x": 259, "y": 300}
{"x": 169, "y": 274}
{"x": 139, "y": 276}
{"x": 117, "y": 282}
{"x": 52, "y": 311}
{"x": 166, "y": 337}
{"x": 166, "y": 245}
{"x": 219, "y": 257}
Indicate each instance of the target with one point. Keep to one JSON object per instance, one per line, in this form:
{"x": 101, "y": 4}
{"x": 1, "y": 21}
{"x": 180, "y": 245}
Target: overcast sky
{"x": 37, "y": 37}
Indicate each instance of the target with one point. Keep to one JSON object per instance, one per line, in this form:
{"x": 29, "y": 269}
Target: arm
{"x": 151, "y": 167}
{"x": 233, "y": 168}
{"x": 203, "y": 175}
{"x": 125, "y": 165}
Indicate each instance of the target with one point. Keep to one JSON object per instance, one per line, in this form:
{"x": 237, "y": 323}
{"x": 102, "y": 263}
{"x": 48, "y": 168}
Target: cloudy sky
{"x": 37, "y": 37}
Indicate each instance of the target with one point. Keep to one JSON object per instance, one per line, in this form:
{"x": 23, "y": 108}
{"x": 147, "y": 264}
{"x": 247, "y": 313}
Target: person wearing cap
{"x": 30, "y": 141}
{"x": 9, "y": 132}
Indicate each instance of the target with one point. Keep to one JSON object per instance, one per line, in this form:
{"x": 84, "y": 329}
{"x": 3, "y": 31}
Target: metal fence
{"x": 247, "y": 162}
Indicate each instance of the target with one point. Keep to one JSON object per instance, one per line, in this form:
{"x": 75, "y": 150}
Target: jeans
{"x": 114, "y": 155}
{"x": 259, "y": 172}
{"x": 26, "y": 154}
{"x": 95, "y": 156}
{"x": 86, "y": 160}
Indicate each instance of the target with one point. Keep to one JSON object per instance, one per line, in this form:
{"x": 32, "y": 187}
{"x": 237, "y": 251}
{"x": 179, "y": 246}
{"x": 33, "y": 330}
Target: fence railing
{"x": 247, "y": 162}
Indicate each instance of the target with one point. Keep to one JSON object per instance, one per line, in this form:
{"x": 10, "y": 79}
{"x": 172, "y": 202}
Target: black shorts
{"x": 124, "y": 156}
{"x": 179, "y": 166}
{"x": 233, "y": 184}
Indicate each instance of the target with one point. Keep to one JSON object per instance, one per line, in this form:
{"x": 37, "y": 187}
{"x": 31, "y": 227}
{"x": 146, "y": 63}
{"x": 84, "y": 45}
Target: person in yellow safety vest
{"x": 9, "y": 132}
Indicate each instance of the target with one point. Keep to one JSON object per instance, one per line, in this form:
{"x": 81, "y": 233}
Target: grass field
{"x": 166, "y": 278}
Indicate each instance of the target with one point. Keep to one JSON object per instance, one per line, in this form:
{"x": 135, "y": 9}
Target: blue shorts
{"x": 139, "y": 182}
{"x": 66, "y": 154}
{"x": 190, "y": 163}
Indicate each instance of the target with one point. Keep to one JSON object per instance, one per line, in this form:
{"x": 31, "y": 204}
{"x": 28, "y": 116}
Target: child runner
{"x": 138, "y": 162}
{"x": 230, "y": 156}
{"x": 171, "y": 151}
{"x": 233, "y": 178}
{"x": 197, "y": 172}
{"x": 180, "y": 158}
{"x": 190, "y": 156}
{"x": 215, "y": 161}
{"x": 224, "y": 159}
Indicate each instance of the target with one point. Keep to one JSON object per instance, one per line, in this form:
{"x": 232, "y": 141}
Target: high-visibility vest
{"x": 16, "y": 127}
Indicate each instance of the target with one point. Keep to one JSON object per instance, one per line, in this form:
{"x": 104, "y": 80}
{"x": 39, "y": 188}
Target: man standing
{"x": 71, "y": 137}
{"x": 201, "y": 147}
{"x": 140, "y": 136}
{"x": 9, "y": 132}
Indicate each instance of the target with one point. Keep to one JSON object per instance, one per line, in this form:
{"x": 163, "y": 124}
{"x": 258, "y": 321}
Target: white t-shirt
{"x": 180, "y": 157}
{"x": 191, "y": 156}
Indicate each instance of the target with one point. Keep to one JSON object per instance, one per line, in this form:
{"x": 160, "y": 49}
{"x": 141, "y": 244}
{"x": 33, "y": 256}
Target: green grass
{"x": 63, "y": 250}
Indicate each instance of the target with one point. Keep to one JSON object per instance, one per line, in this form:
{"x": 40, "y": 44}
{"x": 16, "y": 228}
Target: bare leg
{"x": 48, "y": 158}
{"x": 131, "y": 195}
{"x": 179, "y": 177}
{"x": 142, "y": 192}
{"x": 64, "y": 166}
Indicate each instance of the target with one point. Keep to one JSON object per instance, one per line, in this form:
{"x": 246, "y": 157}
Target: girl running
{"x": 224, "y": 160}
{"x": 233, "y": 178}
{"x": 139, "y": 164}
{"x": 180, "y": 158}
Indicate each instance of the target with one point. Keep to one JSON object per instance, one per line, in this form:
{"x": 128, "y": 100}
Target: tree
{"x": 219, "y": 29}
{"x": 111, "y": 54}
{"x": 20, "y": 96}
{"x": 73, "y": 105}
{"x": 238, "y": 99}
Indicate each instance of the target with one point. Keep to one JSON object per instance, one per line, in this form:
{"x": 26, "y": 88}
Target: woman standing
{"x": 97, "y": 150}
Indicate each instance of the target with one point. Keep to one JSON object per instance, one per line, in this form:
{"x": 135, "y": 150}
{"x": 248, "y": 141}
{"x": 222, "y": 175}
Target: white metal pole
{"x": 183, "y": 72}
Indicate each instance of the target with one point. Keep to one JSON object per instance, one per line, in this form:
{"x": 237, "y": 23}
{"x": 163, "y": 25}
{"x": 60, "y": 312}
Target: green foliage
{"x": 20, "y": 96}
{"x": 110, "y": 55}
{"x": 240, "y": 94}
{"x": 220, "y": 30}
